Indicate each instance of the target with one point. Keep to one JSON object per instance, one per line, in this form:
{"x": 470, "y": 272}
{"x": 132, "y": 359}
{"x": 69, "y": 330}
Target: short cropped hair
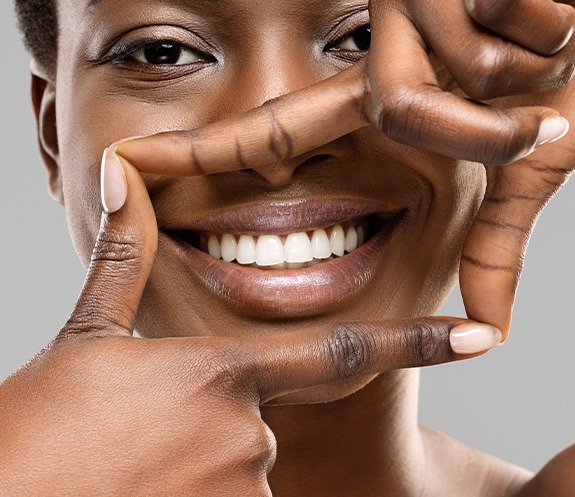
{"x": 38, "y": 22}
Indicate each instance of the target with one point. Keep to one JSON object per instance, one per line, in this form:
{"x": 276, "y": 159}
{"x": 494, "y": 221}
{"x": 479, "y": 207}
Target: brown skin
{"x": 200, "y": 432}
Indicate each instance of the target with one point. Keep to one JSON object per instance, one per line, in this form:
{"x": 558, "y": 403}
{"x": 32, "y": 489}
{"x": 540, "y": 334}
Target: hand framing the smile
{"x": 102, "y": 413}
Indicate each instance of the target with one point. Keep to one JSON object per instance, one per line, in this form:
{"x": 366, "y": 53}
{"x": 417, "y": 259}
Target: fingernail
{"x": 113, "y": 183}
{"x": 471, "y": 338}
{"x": 552, "y": 129}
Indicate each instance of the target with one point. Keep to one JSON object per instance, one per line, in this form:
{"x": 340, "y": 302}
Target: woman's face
{"x": 414, "y": 207}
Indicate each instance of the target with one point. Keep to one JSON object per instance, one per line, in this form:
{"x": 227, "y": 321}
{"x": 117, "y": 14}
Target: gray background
{"x": 517, "y": 402}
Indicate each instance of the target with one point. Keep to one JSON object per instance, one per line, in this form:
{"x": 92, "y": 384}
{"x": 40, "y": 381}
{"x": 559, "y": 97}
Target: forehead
{"x": 291, "y": 8}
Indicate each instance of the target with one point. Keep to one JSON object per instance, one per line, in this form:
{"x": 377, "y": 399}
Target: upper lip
{"x": 283, "y": 217}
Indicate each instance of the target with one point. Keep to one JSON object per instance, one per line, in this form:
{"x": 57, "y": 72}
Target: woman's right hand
{"x": 99, "y": 412}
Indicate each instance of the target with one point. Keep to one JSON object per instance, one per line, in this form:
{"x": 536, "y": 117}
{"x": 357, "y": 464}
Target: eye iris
{"x": 163, "y": 53}
{"x": 362, "y": 38}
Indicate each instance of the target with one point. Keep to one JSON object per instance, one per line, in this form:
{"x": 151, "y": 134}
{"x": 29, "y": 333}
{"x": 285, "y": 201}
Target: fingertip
{"x": 472, "y": 338}
{"x": 551, "y": 129}
{"x": 113, "y": 183}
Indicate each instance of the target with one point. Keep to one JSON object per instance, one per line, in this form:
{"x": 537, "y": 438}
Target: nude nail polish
{"x": 471, "y": 338}
{"x": 114, "y": 188}
{"x": 552, "y": 129}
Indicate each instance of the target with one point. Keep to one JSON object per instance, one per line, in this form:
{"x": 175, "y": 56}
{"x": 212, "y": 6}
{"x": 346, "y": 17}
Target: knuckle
{"x": 259, "y": 446}
{"x": 430, "y": 344}
{"x": 110, "y": 249}
{"x": 402, "y": 111}
{"x": 349, "y": 351}
{"x": 486, "y": 77}
{"x": 115, "y": 244}
{"x": 566, "y": 72}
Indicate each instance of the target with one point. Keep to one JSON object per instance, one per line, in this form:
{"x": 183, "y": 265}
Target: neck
{"x": 365, "y": 444}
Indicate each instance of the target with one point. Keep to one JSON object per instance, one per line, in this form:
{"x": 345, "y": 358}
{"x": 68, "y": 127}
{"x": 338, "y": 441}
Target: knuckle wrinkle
{"x": 402, "y": 113}
{"x": 428, "y": 347}
{"x": 349, "y": 351}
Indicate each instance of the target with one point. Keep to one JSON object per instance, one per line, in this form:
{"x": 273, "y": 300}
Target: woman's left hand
{"x": 490, "y": 49}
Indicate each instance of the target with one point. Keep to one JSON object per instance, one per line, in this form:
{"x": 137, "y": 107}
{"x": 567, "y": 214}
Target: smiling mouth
{"x": 290, "y": 259}
{"x": 294, "y": 250}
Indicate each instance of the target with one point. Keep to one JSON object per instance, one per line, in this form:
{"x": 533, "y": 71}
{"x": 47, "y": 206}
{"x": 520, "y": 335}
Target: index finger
{"x": 290, "y": 362}
{"x": 276, "y": 131}
{"x": 410, "y": 110}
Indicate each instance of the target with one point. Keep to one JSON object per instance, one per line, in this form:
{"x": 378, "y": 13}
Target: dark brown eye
{"x": 358, "y": 41}
{"x": 165, "y": 53}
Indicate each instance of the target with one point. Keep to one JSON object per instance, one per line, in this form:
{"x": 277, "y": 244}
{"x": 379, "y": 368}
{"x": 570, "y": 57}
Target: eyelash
{"x": 332, "y": 47}
{"x": 123, "y": 53}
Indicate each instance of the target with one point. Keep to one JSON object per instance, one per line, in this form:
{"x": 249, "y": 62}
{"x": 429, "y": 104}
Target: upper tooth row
{"x": 269, "y": 250}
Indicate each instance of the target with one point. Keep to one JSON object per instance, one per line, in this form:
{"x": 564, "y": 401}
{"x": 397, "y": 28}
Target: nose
{"x": 273, "y": 69}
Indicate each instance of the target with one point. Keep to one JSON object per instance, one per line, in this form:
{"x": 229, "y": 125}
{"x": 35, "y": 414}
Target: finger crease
{"x": 195, "y": 161}
{"x": 239, "y": 157}
{"x": 281, "y": 143}
{"x": 502, "y": 225}
{"x": 489, "y": 267}
{"x": 509, "y": 198}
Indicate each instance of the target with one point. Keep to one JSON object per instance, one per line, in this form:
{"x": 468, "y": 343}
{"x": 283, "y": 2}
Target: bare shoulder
{"x": 556, "y": 479}
{"x": 467, "y": 471}
{"x": 470, "y": 472}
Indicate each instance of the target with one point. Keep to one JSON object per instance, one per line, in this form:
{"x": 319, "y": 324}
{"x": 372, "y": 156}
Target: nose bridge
{"x": 279, "y": 65}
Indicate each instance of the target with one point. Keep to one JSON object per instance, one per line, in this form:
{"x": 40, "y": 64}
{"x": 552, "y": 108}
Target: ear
{"x": 43, "y": 89}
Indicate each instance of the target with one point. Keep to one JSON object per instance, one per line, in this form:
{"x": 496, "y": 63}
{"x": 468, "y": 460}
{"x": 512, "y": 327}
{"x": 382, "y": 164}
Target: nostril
{"x": 281, "y": 174}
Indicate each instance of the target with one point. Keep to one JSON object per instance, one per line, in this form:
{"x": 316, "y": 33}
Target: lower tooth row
{"x": 298, "y": 249}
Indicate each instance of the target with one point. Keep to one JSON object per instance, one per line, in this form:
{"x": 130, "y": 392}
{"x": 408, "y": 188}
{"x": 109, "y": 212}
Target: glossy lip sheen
{"x": 280, "y": 218}
{"x": 292, "y": 292}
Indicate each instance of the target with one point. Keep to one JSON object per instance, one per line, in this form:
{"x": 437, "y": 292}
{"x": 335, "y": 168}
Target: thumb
{"x": 123, "y": 255}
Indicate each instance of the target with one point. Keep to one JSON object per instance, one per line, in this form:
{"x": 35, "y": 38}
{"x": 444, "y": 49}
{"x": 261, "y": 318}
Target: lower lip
{"x": 288, "y": 292}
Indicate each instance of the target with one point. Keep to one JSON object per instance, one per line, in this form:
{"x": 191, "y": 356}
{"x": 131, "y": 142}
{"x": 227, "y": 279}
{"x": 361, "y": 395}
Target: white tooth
{"x": 246, "y": 253}
{"x": 320, "y": 246}
{"x": 269, "y": 251}
{"x": 337, "y": 240}
{"x": 283, "y": 265}
{"x": 297, "y": 248}
{"x": 351, "y": 239}
{"x": 360, "y": 236}
{"x": 229, "y": 247}
{"x": 214, "y": 247}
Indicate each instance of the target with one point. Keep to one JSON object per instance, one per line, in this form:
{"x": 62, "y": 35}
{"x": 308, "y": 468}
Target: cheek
{"x": 458, "y": 190}
{"x": 90, "y": 117}
{"x": 430, "y": 251}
